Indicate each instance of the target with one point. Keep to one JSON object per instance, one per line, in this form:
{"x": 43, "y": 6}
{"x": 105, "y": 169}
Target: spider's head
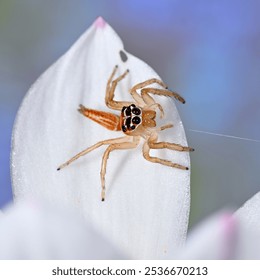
{"x": 133, "y": 119}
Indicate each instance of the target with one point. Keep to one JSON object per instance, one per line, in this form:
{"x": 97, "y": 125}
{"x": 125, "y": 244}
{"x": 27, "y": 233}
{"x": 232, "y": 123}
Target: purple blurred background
{"x": 208, "y": 51}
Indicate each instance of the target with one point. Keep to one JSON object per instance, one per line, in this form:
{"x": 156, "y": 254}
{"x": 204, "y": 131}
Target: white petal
{"x": 213, "y": 238}
{"x": 37, "y": 230}
{"x": 147, "y": 205}
{"x": 249, "y": 229}
{"x": 227, "y": 235}
{"x": 249, "y": 213}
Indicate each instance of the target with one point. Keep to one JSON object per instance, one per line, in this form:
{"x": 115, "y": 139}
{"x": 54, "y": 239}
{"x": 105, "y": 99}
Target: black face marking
{"x": 128, "y": 111}
{"x": 136, "y": 120}
{"x": 131, "y": 117}
{"x": 123, "y": 56}
{"x": 128, "y": 122}
{"x": 136, "y": 111}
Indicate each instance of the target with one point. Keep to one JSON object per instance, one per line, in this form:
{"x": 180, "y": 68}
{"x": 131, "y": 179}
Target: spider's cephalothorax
{"x": 136, "y": 121}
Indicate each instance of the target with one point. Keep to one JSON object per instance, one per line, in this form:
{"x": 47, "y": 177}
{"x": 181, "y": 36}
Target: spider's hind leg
{"x": 146, "y": 151}
{"x": 152, "y": 143}
{"x": 110, "y": 148}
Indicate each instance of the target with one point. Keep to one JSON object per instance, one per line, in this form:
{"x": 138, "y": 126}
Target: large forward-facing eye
{"x": 136, "y": 120}
{"x": 136, "y": 111}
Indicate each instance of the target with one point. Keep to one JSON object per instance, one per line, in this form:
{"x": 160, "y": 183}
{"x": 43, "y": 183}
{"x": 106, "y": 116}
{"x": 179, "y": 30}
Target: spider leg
{"x": 169, "y": 125}
{"x": 149, "y": 82}
{"x": 111, "y": 78}
{"x": 110, "y": 148}
{"x": 143, "y": 101}
{"x": 164, "y": 92}
{"x": 145, "y": 98}
{"x": 146, "y": 150}
{"x": 170, "y": 146}
{"x": 93, "y": 147}
{"x": 152, "y": 143}
{"x": 110, "y": 92}
{"x": 151, "y": 102}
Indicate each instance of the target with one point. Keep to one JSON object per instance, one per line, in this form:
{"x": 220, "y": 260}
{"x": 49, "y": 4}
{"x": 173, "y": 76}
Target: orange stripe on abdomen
{"x": 108, "y": 120}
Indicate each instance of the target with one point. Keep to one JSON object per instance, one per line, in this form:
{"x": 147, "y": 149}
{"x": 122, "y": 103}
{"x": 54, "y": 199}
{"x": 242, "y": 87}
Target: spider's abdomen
{"x": 131, "y": 118}
{"x": 108, "y": 120}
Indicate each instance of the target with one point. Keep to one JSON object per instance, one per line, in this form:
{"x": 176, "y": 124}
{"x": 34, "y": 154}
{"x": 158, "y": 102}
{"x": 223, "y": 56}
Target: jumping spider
{"x": 135, "y": 121}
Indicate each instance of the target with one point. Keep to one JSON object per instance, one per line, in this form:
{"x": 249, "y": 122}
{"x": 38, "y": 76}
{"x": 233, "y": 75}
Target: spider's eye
{"x": 128, "y": 122}
{"x": 124, "y": 128}
{"x": 123, "y": 109}
{"x": 128, "y": 111}
{"x": 133, "y": 127}
{"x": 132, "y": 105}
{"x": 136, "y": 120}
{"x": 136, "y": 111}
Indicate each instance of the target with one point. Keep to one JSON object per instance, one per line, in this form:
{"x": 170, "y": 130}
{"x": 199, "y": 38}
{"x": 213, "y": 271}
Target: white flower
{"x": 248, "y": 241}
{"x": 147, "y": 205}
{"x": 226, "y": 235}
{"x": 34, "y": 229}
{"x": 38, "y": 230}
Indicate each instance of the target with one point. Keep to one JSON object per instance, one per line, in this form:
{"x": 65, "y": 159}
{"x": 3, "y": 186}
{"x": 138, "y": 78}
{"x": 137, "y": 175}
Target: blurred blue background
{"x": 208, "y": 51}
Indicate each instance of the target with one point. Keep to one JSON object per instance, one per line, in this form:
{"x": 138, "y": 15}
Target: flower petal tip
{"x": 229, "y": 224}
{"x": 229, "y": 231}
{"x": 100, "y": 23}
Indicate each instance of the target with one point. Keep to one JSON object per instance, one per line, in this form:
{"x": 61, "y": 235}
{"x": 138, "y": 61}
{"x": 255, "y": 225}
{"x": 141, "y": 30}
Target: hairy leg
{"x": 139, "y": 99}
{"x": 110, "y": 92}
{"x": 110, "y": 148}
{"x": 93, "y": 147}
{"x": 150, "y": 102}
{"x": 146, "y": 150}
{"x": 163, "y": 92}
{"x": 147, "y": 83}
{"x": 153, "y": 144}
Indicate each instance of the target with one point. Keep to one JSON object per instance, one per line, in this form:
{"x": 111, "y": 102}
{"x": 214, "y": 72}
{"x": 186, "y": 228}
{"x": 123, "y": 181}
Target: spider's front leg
{"x": 110, "y": 92}
{"x": 164, "y": 92}
{"x": 145, "y": 99}
{"x": 110, "y": 148}
{"x": 156, "y": 91}
{"x": 150, "y": 102}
